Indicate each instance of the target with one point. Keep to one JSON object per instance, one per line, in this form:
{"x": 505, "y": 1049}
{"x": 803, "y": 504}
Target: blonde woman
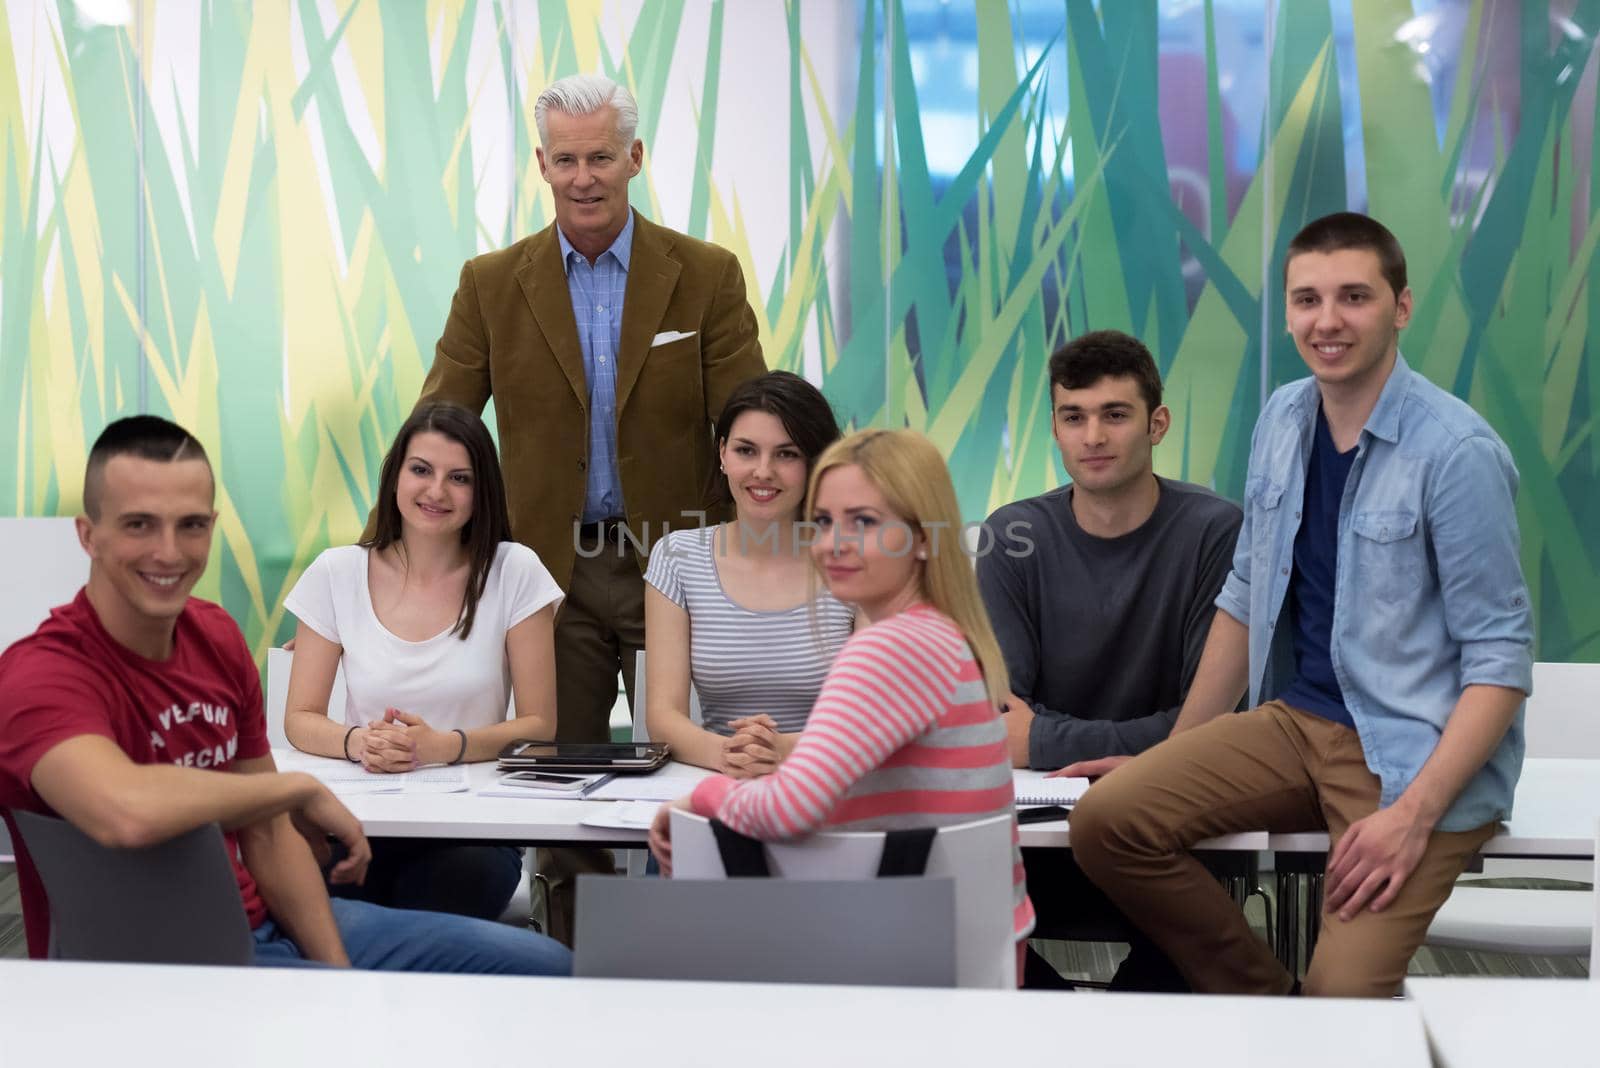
{"x": 907, "y": 728}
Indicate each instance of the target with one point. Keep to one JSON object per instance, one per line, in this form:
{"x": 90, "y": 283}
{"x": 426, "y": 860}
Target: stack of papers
{"x": 668, "y": 784}
{"x": 622, "y": 815}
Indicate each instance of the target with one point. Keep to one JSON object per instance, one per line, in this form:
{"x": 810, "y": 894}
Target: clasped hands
{"x": 755, "y": 748}
{"x": 401, "y": 741}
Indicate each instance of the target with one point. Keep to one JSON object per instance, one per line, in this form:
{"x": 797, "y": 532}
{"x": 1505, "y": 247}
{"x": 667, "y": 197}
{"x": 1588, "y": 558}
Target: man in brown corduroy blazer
{"x": 609, "y": 345}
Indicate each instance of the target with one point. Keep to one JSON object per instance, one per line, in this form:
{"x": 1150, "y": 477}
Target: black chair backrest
{"x": 173, "y": 903}
{"x": 905, "y": 852}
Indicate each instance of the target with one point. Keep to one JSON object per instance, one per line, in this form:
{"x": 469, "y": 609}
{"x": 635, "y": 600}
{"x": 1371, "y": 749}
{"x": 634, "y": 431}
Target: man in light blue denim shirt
{"x": 1378, "y": 615}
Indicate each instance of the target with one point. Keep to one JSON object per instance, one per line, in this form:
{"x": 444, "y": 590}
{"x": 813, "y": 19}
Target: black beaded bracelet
{"x": 461, "y": 755}
{"x": 347, "y": 735}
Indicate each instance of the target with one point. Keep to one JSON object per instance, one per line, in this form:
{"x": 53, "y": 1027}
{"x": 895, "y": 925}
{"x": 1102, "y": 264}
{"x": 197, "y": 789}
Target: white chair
{"x": 977, "y": 855}
{"x": 641, "y": 730}
{"x": 1560, "y": 722}
{"x": 637, "y": 858}
{"x": 1547, "y": 923}
{"x": 280, "y": 662}
{"x": 56, "y": 567}
{"x": 1563, "y": 716}
{"x": 1594, "y": 939}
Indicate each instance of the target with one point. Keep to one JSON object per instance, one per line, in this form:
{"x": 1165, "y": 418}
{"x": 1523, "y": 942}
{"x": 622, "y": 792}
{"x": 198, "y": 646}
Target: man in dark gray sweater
{"x": 1101, "y": 593}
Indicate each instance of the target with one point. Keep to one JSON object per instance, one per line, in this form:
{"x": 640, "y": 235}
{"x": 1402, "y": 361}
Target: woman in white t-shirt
{"x": 735, "y": 609}
{"x": 438, "y": 618}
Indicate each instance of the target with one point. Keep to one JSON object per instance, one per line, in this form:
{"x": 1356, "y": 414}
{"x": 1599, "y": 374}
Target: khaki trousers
{"x": 1275, "y": 768}
{"x": 599, "y": 631}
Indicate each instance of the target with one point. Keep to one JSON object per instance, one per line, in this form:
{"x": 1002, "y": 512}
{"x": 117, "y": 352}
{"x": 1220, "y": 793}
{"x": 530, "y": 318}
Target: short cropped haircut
{"x": 585, "y": 94}
{"x": 149, "y": 437}
{"x": 1351, "y": 230}
{"x": 1085, "y": 360}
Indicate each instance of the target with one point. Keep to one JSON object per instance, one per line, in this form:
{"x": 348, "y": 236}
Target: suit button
{"x": 583, "y": 465}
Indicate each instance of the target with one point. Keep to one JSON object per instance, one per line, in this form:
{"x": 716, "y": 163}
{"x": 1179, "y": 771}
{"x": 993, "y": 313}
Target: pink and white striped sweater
{"x": 902, "y": 735}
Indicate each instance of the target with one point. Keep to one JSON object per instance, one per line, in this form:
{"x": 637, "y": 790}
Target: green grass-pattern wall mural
{"x": 251, "y": 217}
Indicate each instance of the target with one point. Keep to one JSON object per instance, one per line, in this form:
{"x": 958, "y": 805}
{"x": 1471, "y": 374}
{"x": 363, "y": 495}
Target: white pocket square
{"x": 666, "y": 337}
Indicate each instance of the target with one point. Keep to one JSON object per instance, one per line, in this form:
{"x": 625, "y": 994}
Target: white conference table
{"x": 1552, "y": 817}
{"x": 1490, "y": 1023}
{"x": 469, "y": 815}
{"x": 472, "y": 816}
{"x": 168, "y": 1016}
{"x": 1557, "y": 802}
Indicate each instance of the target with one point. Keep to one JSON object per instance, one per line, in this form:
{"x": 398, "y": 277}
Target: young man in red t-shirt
{"x": 127, "y": 710}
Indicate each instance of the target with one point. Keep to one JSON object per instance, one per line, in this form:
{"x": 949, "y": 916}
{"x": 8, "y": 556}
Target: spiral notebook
{"x": 1034, "y": 789}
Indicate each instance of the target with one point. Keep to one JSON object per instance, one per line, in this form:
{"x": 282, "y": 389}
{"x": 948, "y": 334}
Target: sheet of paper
{"x": 668, "y": 784}
{"x": 351, "y": 779}
{"x": 632, "y": 814}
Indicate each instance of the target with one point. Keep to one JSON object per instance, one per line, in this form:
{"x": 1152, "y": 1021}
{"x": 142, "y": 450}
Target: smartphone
{"x": 546, "y": 780}
{"x": 1042, "y": 814}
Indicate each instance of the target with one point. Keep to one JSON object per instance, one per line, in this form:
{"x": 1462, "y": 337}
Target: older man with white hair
{"x": 609, "y": 345}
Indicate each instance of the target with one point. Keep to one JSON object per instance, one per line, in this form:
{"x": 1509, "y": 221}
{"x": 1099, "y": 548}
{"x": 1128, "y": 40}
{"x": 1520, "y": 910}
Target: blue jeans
{"x": 404, "y": 940}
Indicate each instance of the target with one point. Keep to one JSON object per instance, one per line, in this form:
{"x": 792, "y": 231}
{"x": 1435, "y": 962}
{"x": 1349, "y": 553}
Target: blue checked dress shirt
{"x": 597, "y": 294}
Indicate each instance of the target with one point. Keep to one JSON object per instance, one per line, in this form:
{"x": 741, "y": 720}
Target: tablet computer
{"x": 583, "y": 756}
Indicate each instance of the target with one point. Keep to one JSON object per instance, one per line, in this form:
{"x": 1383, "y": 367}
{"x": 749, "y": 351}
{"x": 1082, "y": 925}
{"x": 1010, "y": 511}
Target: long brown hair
{"x": 491, "y": 520}
{"x": 805, "y": 413}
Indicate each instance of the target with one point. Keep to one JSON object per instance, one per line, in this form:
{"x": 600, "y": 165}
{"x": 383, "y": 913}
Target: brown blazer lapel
{"x": 652, "y": 276}
{"x": 544, "y": 284}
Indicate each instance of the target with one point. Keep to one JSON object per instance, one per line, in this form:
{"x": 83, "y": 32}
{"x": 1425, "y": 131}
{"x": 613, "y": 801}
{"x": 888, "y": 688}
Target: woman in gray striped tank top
{"x": 734, "y": 611}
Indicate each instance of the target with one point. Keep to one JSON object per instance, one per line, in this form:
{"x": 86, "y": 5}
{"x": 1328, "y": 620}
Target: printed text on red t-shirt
{"x": 204, "y": 756}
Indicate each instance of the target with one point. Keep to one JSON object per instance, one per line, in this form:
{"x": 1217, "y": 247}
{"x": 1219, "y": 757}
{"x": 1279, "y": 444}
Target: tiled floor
{"x": 11, "y": 942}
{"x": 1092, "y": 961}
{"x": 1097, "y": 961}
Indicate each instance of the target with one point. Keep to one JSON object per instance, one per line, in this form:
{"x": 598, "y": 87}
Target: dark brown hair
{"x": 491, "y": 521}
{"x": 1085, "y": 360}
{"x": 1346, "y": 230}
{"x": 806, "y": 416}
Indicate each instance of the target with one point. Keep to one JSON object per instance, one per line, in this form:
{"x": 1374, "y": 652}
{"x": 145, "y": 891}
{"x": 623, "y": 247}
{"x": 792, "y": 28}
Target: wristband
{"x": 462, "y": 754}
{"x": 347, "y": 755}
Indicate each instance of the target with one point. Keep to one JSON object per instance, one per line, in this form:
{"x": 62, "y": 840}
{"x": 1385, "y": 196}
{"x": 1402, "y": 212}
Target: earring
{"x": 922, "y": 554}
